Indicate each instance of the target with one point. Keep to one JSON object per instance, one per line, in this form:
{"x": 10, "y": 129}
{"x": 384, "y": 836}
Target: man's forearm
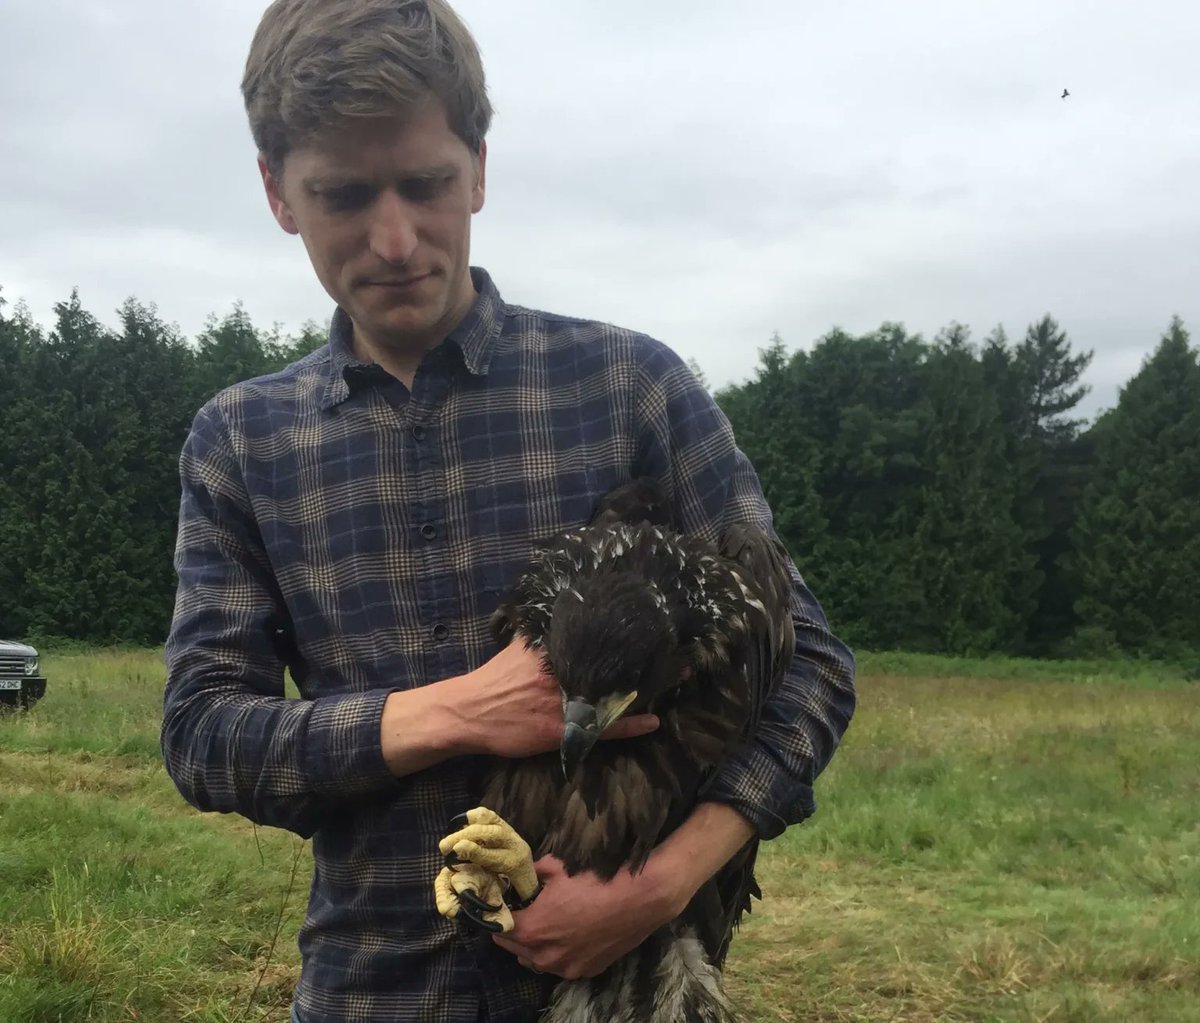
{"x": 696, "y": 850}
{"x": 419, "y": 728}
{"x": 277, "y": 761}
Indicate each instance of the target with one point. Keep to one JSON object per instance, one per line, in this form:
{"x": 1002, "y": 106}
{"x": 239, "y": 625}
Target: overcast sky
{"x": 705, "y": 171}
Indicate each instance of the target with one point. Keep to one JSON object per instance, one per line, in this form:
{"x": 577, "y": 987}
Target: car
{"x": 21, "y": 685}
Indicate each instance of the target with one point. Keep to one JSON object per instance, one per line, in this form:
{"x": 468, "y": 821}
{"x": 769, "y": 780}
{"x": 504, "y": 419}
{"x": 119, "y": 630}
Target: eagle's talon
{"x": 473, "y": 901}
{"x": 517, "y": 904}
{"x": 470, "y": 913}
{"x": 460, "y": 821}
{"x": 489, "y": 842}
{"x": 474, "y": 893}
{"x": 476, "y": 909}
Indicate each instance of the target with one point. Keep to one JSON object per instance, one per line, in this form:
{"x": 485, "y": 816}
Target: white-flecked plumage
{"x": 696, "y": 632}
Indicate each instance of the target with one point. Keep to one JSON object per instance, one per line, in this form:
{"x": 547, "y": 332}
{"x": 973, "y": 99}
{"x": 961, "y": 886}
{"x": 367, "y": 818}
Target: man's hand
{"x": 510, "y": 707}
{"x": 506, "y": 707}
{"x": 579, "y": 926}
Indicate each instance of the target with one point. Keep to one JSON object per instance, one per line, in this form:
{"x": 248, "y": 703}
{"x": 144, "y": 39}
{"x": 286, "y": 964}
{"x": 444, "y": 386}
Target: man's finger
{"x": 515, "y": 947}
{"x": 630, "y": 727}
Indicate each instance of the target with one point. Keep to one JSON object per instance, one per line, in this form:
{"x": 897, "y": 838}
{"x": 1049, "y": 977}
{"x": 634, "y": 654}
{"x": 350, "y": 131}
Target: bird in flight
{"x": 1065, "y": 94}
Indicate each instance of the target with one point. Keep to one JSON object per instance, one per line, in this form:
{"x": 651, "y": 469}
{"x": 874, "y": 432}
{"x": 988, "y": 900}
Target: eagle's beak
{"x": 584, "y": 724}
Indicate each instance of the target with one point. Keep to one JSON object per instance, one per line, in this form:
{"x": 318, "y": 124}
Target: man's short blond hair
{"x": 317, "y": 65}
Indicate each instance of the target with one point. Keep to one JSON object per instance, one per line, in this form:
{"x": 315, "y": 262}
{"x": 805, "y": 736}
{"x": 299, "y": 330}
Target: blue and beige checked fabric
{"x": 361, "y": 536}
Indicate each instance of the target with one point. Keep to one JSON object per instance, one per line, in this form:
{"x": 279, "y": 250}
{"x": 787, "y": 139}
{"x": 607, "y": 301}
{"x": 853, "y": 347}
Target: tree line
{"x": 94, "y": 419}
{"x": 938, "y": 495}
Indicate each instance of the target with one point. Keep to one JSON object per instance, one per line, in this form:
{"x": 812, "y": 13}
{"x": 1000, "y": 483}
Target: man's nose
{"x": 393, "y": 230}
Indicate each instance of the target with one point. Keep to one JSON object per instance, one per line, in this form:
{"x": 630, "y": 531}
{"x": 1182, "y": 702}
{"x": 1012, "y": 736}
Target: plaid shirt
{"x": 361, "y": 536}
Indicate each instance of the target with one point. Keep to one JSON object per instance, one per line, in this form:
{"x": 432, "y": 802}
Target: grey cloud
{"x": 702, "y": 171}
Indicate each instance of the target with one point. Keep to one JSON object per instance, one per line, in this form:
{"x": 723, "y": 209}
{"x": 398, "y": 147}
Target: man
{"x": 356, "y": 518}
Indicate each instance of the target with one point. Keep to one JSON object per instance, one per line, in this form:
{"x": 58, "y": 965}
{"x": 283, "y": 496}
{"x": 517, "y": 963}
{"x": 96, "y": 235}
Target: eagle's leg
{"x": 476, "y": 893}
{"x": 485, "y": 840}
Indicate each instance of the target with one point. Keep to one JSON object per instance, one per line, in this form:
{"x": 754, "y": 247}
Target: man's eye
{"x": 425, "y": 189}
{"x": 351, "y": 197}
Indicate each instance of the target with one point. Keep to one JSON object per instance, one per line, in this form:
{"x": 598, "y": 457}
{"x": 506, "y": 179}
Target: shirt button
{"x": 440, "y": 632}
{"x": 429, "y": 531}
{"x": 418, "y": 433}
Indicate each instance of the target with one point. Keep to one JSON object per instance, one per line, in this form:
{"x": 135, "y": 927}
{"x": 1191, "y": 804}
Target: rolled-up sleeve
{"x": 231, "y": 740}
{"x": 686, "y": 441}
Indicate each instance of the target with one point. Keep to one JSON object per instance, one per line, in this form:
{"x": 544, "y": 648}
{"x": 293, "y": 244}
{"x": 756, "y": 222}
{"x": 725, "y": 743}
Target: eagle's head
{"x": 614, "y": 645}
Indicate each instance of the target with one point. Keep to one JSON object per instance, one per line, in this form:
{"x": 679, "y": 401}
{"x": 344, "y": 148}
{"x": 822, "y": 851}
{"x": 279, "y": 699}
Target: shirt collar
{"x": 475, "y": 337}
{"x": 477, "y": 333}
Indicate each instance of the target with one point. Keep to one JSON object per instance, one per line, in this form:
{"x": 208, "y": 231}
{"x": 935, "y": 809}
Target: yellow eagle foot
{"x": 476, "y": 893}
{"x": 485, "y": 844}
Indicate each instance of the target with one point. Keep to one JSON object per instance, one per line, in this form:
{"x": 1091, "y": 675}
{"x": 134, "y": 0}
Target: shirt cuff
{"x": 752, "y": 782}
{"x": 343, "y": 753}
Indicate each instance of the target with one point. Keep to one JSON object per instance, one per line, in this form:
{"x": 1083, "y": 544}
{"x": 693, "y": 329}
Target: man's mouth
{"x": 398, "y": 283}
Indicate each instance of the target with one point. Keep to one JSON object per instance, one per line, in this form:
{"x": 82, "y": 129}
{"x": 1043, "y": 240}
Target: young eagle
{"x": 629, "y": 615}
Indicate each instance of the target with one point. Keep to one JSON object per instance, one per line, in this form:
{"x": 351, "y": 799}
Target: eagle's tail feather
{"x": 689, "y": 986}
{"x": 669, "y": 979}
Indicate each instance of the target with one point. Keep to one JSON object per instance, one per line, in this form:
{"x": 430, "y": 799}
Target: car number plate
{"x": 10, "y": 683}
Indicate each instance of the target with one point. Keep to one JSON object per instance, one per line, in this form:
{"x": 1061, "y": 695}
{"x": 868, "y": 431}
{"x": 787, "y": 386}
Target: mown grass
{"x": 992, "y": 850}
{"x": 997, "y": 841}
{"x": 118, "y": 901}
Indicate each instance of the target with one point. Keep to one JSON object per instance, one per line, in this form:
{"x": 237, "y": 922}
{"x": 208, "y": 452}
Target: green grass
{"x": 1089, "y": 671}
{"x": 992, "y": 850}
{"x": 119, "y": 902}
{"x": 997, "y": 841}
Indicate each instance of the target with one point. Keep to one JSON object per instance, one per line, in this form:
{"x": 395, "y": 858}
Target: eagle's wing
{"x": 760, "y": 563}
{"x": 761, "y": 566}
{"x": 717, "y": 909}
{"x": 641, "y": 500}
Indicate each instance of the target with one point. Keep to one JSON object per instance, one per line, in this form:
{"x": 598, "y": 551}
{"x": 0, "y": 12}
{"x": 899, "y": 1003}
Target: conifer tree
{"x": 768, "y": 425}
{"x": 1136, "y": 556}
{"x": 973, "y": 568}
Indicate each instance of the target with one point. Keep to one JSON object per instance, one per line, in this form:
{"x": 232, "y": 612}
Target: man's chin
{"x": 404, "y": 316}
{"x": 398, "y": 325}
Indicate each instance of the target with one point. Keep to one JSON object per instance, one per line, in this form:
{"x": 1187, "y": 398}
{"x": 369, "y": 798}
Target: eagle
{"x": 630, "y": 615}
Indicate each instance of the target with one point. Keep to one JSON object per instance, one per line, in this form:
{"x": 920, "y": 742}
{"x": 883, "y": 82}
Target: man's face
{"x": 384, "y": 209}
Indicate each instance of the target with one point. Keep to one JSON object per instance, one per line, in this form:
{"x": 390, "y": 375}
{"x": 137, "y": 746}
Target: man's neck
{"x": 402, "y": 362}
{"x": 401, "y": 365}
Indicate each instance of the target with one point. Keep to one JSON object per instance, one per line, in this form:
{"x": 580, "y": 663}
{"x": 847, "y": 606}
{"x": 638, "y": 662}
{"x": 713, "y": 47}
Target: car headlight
{"x": 31, "y": 665}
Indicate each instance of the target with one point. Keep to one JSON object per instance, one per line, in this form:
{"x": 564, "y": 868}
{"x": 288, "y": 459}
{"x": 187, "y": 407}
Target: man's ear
{"x": 480, "y": 189}
{"x": 279, "y": 208}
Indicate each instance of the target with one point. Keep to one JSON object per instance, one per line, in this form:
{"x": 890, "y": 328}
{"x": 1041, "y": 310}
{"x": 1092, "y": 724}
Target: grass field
{"x": 997, "y": 841}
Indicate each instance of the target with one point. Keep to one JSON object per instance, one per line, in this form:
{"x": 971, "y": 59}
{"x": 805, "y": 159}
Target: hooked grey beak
{"x": 584, "y": 723}
{"x": 580, "y": 732}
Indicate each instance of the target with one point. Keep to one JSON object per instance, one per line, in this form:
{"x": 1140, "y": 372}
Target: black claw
{"x": 487, "y": 925}
{"x": 475, "y": 902}
{"x": 471, "y": 906}
{"x": 516, "y": 904}
{"x": 451, "y": 859}
{"x": 459, "y": 822}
